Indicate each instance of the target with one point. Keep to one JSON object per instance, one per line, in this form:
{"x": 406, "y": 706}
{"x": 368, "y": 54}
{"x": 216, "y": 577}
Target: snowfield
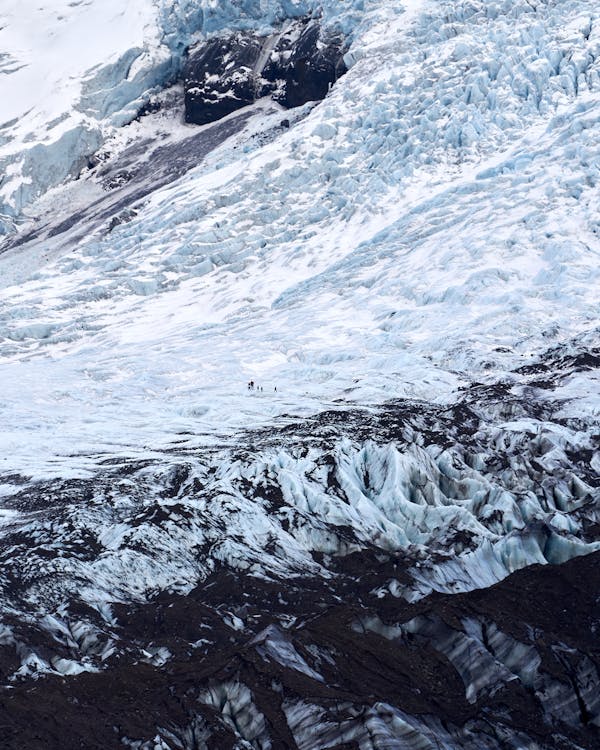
{"x": 409, "y": 271}
{"x": 433, "y": 222}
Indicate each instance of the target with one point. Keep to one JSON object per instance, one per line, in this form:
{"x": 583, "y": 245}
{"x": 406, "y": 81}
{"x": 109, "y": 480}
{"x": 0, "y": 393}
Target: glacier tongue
{"x": 456, "y": 230}
{"x": 455, "y": 495}
{"x": 390, "y": 540}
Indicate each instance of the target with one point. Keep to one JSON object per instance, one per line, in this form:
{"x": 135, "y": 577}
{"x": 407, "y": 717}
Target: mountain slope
{"x": 408, "y": 273}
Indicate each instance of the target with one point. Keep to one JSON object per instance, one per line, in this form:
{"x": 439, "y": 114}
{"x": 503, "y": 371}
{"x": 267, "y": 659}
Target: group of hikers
{"x": 253, "y": 387}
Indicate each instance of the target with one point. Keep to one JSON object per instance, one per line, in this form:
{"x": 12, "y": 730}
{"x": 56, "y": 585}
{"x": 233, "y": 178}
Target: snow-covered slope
{"x": 71, "y": 71}
{"x": 408, "y": 271}
{"x": 405, "y": 237}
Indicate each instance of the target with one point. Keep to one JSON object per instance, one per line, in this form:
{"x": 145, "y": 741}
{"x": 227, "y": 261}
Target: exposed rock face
{"x": 304, "y": 67}
{"x": 220, "y": 78}
{"x": 295, "y": 66}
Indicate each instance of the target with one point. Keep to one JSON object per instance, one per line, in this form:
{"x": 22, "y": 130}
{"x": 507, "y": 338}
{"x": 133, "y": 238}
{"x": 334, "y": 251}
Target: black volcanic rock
{"x": 220, "y": 77}
{"x": 295, "y": 66}
{"x": 305, "y": 67}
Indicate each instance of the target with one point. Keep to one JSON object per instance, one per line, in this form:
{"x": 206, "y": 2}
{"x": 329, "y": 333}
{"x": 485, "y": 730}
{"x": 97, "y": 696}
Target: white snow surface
{"x": 433, "y": 222}
{"x": 440, "y": 205}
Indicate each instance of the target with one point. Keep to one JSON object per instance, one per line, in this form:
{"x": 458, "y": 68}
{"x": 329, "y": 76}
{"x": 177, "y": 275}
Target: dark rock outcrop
{"x": 220, "y": 78}
{"x": 303, "y": 68}
{"x": 295, "y": 66}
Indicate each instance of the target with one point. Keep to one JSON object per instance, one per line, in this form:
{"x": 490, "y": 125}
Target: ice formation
{"x": 391, "y": 540}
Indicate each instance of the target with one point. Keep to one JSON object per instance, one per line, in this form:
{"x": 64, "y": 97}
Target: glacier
{"x": 392, "y": 541}
{"x": 65, "y": 97}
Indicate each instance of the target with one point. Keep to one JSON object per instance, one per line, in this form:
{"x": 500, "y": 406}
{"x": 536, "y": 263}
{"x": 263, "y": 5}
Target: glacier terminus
{"x": 299, "y": 374}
